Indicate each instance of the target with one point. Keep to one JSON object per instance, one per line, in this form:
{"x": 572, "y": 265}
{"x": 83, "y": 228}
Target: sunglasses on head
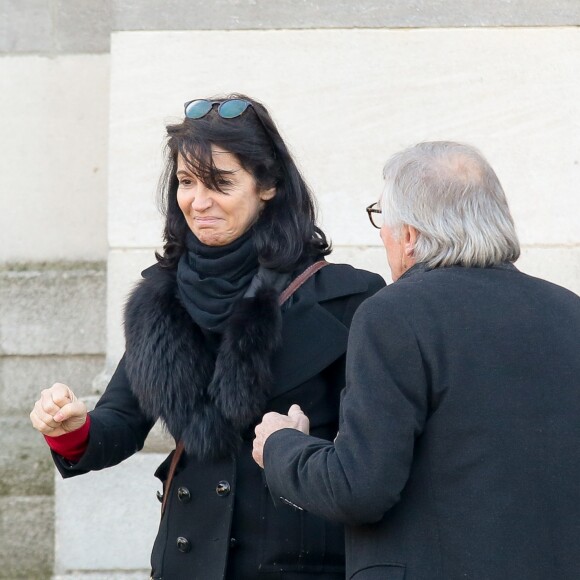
{"x": 228, "y": 109}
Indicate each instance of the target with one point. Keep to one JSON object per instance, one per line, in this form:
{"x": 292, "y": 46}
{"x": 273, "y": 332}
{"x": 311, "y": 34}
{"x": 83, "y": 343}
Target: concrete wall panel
{"x": 82, "y": 26}
{"x": 346, "y": 100}
{"x": 25, "y": 30}
{"x": 25, "y": 462}
{"x": 560, "y": 265}
{"x": 56, "y": 311}
{"x": 26, "y": 537}
{"x": 124, "y": 272}
{"x": 54, "y": 26}
{"x": 108, "y": 575}
{"x": 23, "y": 377}
{"x": 52, "y": 328}
{"x": 53, "y": 167}
{"x": 85, "y": 538}
{"x": 259, "y": 14}
{"x": 372, "y": 258}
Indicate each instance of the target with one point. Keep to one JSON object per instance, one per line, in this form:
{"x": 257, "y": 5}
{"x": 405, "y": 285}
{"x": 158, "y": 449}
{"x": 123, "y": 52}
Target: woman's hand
{"x": 58, "y": 411}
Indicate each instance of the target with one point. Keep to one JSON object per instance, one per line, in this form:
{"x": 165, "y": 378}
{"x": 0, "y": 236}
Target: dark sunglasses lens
{"x": 233, "y": 108}
{"x": 197, "y": 109}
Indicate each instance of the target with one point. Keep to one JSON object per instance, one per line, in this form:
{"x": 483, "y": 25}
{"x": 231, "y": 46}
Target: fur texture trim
{"x": 208, "y": 401}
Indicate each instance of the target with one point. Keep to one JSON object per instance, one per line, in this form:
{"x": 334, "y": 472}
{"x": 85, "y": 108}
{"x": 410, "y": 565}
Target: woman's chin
{"x": 212, "y": 238}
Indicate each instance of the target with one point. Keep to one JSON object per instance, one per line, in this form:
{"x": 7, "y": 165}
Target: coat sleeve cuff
{"x": 71, "y": 445}
{"x": 276, "y": 471}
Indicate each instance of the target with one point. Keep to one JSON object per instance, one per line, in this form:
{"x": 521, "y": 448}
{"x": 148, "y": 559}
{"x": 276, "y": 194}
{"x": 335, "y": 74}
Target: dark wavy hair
{"x": 286, "y": 233}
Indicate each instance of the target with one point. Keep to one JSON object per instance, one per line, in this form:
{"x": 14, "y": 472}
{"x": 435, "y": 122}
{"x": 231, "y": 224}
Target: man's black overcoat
{"x": 220, "y": 521}
{"x": 458, "y": 456}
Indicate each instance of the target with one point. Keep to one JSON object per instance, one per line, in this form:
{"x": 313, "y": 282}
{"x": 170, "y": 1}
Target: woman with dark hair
{"x": 230, "y": 323}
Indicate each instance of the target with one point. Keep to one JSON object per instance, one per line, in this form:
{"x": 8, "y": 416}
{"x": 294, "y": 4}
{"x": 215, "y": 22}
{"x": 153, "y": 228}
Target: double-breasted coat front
{"x": 220, "y": 521}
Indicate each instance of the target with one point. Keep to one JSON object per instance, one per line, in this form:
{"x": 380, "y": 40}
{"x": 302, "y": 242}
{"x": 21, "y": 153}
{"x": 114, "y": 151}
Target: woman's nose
{"x": 202, "y": 199}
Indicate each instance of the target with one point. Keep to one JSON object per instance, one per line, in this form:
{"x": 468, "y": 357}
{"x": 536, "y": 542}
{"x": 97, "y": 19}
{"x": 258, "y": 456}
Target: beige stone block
{"x": 26, "y": 537}
{"x": 83, "y": 26}
{"x": 282, "y": 14}
{"x": 109, "y": 575}
{"x": 53, "y": 167}
{"x": 560, "y": 265}
{"x": 123, "y": 273}
{"x": 23, "y": 377}
{"x": 54, "y": 310}
{"x": 97, "y": 512}
{"x": 350, "y": 98}
{"x": 26, "y": 467}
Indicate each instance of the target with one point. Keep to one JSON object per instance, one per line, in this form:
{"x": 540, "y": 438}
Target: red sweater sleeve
{"x": 71, "y": 445}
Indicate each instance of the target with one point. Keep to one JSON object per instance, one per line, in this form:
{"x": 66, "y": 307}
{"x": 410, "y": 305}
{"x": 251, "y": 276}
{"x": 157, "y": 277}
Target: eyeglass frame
{"x": 370, "y": 211}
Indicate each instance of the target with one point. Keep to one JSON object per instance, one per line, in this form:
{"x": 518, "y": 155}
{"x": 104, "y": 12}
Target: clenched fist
{"x": 58, "y": 411}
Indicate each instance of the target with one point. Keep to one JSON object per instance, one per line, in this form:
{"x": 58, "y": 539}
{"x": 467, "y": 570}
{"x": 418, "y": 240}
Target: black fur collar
{"x": 206, "y": 401}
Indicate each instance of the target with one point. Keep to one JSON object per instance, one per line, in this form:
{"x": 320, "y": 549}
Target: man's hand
{"x": 58, "y": 411}
{"x": 272, "y": 422}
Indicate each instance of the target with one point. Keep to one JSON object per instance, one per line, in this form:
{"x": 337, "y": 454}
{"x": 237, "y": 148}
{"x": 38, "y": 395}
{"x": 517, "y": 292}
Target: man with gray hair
{"x": 458, "y": 454}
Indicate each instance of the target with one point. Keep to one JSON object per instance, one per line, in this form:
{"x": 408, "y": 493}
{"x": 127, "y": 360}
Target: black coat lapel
{"x": 311, "y": 340}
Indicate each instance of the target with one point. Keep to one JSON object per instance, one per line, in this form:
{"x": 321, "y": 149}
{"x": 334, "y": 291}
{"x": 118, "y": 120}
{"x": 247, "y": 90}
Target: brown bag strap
{"x": 285, "y": 295}
{"x": 179, "y": 448}
{"x": 299, "y": 280}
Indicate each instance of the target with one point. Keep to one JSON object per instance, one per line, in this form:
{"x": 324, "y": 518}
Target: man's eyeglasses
{"x": 228, "y": 109}
{"x": 374, "y": 212}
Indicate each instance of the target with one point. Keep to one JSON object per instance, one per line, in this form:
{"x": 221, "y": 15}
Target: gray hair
{"x": 450, "y": 194}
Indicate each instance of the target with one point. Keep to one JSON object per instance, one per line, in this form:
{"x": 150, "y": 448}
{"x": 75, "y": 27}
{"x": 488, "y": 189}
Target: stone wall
{"x": 86, "y": 87}
{"x": 54, "y": 82}
{"x": 51, "y": 329}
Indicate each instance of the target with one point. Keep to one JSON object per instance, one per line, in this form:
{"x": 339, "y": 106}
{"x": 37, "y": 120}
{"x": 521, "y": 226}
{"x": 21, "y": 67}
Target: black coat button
{"x": 233, "y": 543}
{"x": 159, "y": 496}
{"x": 223, "y": 488}
{"x": 183, "y": 495}
{"x": 183, "y": 545}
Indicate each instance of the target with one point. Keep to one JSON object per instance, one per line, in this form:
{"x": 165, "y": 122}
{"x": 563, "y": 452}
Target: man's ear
{"x": 267, "y": 194}
{"x": 410, "y": 235}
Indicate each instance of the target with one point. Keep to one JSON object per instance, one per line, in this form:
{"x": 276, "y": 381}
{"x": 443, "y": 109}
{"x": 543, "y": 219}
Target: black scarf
{"x": 211, "y": 279}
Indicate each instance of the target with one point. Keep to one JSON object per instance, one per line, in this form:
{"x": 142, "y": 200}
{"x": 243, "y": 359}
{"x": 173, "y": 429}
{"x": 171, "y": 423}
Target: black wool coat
{"x": 458, "y": 454}
{"x": 220, "y": 521}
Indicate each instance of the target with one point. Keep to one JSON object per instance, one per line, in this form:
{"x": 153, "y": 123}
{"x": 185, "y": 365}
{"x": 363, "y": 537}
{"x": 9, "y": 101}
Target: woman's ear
{"x": 267, "y": 194}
